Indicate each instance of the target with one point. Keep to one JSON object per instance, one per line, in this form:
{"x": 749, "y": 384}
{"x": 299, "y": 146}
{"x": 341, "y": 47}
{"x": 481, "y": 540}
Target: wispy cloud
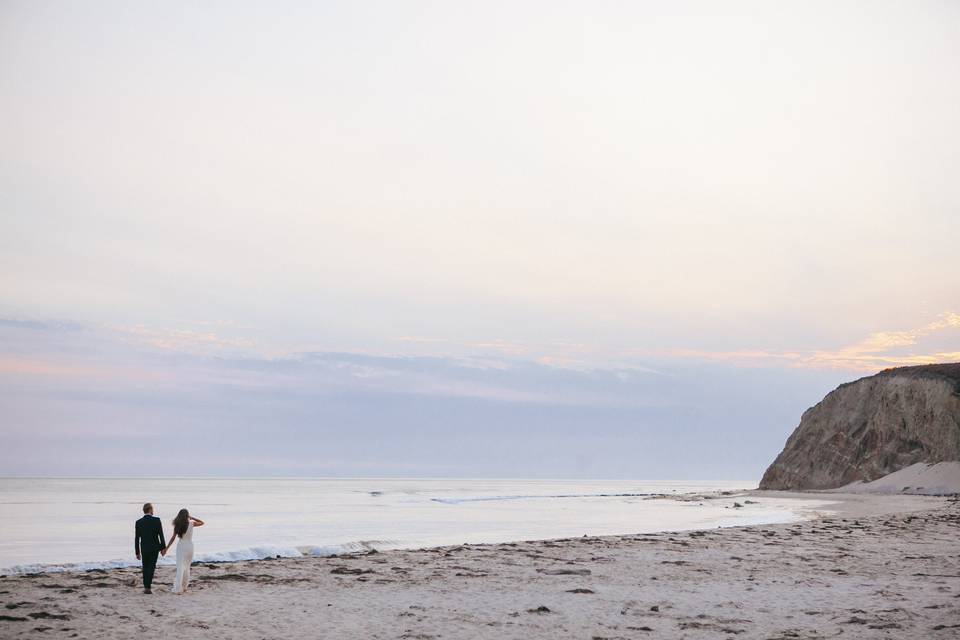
{"x": 893, "y": 348}
{"x": 503, "y": 346}
{"x": 15, "y": 366}
{"x": 125, "y": 357}
{"x": 879, "y": 350}
{"x": 102, "y": 396}
{"x": 185, "y": 340}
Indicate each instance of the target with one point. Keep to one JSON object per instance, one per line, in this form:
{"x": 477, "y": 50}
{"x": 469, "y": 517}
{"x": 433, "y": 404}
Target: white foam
{"x": 349, "y": 547}
{"x": 249, "y": 553}
{"x": 542, "y": 497}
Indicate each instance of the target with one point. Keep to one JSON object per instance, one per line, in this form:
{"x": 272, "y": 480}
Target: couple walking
{"x": 148, "y": 543}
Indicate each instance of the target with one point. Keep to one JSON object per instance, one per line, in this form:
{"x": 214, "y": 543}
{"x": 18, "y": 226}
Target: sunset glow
{"x": 442, "y": 216}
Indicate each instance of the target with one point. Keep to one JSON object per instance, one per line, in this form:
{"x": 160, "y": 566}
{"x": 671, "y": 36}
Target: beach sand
{"x": 877, "y": 567}
{"x": 922, "y": 478}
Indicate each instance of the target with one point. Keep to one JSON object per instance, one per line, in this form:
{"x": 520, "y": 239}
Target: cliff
{"x": 866, "y": 429}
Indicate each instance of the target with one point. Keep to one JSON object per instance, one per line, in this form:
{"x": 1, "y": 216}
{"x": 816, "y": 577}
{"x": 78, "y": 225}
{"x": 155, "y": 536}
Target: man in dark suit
{"x": 148, "y": 542}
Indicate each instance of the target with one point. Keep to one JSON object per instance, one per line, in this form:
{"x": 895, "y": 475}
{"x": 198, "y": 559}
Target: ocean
{"x": 84, "y": 523}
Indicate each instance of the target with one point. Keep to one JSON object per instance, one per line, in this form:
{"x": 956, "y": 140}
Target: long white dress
{"x": 184, "y": 558}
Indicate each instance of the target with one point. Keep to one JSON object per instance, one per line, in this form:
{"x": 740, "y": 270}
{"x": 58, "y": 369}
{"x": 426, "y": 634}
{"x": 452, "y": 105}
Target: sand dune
{"x": 940, "y": 479}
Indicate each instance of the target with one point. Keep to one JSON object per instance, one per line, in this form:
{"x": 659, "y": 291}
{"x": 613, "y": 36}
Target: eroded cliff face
{"x": 866, "y": 429}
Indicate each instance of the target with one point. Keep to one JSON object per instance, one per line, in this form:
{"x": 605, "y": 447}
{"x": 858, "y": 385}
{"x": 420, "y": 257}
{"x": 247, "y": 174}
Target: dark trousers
{"x": 149, "y": 566}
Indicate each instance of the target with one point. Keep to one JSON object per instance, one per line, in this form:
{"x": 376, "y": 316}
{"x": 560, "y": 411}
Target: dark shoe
{"x": 147, "y": 591}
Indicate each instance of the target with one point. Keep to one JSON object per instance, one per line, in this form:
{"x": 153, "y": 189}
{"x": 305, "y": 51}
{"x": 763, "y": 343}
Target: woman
{"x": 183, "y": 526}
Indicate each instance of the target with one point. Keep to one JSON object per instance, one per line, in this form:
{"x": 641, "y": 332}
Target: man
{"x": 147, "y": 543}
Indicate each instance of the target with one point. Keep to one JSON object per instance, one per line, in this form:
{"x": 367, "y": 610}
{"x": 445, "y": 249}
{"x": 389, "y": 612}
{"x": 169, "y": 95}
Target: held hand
{"x": 138, "y": 556}
{"x": 163, "y": 552}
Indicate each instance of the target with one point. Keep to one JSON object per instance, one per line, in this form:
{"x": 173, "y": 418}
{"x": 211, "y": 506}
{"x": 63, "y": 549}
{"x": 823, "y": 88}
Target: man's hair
{"x": 147, "y": 508}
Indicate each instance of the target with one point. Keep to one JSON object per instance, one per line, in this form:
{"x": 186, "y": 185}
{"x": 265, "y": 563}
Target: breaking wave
{"x": 543, "y": 497}
{"x": 249, "y": 553}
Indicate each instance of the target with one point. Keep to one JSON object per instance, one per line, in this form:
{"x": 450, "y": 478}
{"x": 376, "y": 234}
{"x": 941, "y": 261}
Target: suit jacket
{"x": 148, "y": 535}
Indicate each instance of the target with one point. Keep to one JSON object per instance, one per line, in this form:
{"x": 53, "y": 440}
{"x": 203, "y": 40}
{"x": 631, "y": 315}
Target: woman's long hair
{"x": 180, "y": 523}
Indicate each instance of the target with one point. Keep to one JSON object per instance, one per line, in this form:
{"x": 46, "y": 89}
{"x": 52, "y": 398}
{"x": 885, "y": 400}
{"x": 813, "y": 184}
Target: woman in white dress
{"x": 183, "y": 526}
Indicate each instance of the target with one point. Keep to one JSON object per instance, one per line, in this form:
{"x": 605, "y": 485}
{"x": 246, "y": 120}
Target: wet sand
{"x": 876, "y": 567}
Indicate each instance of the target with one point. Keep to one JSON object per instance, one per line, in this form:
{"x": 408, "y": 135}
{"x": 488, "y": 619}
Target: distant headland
{"x": 899, "y": 419}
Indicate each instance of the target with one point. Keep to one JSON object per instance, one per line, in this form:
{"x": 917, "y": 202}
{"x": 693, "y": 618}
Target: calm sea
{"x": 54, "y": 524}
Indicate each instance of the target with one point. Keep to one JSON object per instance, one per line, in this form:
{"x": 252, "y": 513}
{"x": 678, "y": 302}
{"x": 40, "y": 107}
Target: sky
{"x": 499, "y": 239}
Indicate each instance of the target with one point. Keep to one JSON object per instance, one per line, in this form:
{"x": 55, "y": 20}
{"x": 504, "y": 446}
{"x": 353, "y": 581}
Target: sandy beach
{"x": 443, "y": 320}
{"x": 873, "y": 567}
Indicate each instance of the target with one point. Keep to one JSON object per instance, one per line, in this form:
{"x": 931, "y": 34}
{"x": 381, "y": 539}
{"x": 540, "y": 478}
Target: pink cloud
{"x": 876, "y": 351}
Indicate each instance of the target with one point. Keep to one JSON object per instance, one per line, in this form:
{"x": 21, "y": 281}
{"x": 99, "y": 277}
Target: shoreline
{"x": 266, "y": 551}
{"x": 837, "y": 503}
{"x": 876, "y": 566}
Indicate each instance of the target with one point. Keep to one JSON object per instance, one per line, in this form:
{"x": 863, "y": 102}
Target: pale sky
{"x": 448, "y": 238}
